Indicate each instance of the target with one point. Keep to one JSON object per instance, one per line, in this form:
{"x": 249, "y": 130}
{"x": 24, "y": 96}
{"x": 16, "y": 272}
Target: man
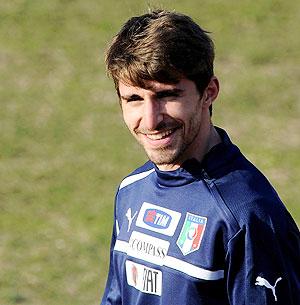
{"x": 198, "y": 223}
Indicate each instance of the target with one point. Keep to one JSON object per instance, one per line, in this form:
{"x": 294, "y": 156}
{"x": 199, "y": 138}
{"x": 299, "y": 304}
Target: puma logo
{"x": 263, "y": 282}
{"x": 130, "y": 218}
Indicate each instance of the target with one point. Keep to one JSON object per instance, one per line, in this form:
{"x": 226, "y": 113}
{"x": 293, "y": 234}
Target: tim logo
{"x": 157, "y": 219}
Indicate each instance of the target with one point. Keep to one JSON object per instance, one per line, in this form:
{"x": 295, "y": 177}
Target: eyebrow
{"x": 169, "y": 92}
{"x": 159, "y": 94}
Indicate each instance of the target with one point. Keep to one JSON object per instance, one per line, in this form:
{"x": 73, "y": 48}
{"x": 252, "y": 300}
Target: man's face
{"x": 166, "y": 119}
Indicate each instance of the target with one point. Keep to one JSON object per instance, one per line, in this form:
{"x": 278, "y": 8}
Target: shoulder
{"x": 138, "y": 174}
{"x": 249, "y": 195}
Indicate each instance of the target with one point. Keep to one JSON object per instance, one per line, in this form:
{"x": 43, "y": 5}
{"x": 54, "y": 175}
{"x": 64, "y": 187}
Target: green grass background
{"x": 63, "y": 146}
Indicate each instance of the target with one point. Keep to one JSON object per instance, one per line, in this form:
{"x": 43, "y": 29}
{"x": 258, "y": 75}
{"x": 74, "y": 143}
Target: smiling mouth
{"x": 160, "y": 135}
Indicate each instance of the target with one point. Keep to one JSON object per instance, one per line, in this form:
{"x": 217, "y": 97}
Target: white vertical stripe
{"x": 117, "y": 227}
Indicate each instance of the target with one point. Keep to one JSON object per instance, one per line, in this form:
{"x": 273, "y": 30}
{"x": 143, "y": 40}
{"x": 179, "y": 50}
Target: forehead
{"x": 155, "y": 86}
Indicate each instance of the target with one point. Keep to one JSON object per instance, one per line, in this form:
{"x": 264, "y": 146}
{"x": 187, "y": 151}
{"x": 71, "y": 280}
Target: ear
{"x": 211, "y": 92}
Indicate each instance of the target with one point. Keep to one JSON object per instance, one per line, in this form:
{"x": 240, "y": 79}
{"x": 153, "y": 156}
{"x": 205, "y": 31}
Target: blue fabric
{"x": 208, "y": 233}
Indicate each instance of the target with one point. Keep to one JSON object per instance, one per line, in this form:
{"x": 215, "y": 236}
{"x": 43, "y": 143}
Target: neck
{"x": 208, "y": 139}
{"x": 213, "y": 139}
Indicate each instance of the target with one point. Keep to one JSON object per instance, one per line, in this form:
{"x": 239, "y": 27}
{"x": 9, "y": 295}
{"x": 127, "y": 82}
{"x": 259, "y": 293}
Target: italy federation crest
{"x": 191, "y": 233}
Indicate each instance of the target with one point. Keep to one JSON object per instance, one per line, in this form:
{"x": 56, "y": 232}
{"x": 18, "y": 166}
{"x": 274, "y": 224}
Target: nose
{"x": 152, "y": 114}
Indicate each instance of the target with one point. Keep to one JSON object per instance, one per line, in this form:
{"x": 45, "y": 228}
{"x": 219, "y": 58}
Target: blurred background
{"x": 63, "y": 146}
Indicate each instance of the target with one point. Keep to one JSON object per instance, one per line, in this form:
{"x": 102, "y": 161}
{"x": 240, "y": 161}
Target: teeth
{"x": 159, "y": 136}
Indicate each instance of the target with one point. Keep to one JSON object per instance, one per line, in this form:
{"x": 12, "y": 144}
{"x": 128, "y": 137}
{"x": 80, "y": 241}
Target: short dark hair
{"x": 163, "y": 46}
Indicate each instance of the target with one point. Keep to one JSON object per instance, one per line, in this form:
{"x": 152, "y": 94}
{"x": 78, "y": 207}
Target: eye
{"x": 133, "y": 98}
{"x": 168, "y": 94}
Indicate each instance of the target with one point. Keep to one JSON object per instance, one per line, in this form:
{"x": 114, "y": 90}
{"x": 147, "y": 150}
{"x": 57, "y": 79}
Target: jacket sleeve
{"x": 112, "y": 294}
{"x": 263, "y": 262}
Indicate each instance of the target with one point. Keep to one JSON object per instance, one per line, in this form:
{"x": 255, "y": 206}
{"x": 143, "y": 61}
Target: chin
{"x": 163, "y": 157}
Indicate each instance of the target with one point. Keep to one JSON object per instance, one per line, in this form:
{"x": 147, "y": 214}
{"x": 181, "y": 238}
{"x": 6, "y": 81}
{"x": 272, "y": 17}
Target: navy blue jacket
{"x": 210, "y": 233}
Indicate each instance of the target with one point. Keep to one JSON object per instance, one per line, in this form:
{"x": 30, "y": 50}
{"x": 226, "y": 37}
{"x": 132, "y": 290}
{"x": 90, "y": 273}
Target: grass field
{"x": 63, "y": 146}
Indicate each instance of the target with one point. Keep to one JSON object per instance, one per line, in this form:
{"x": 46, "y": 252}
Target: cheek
{"x": 176, "y": 111}
{"x": 130, "y": 119}
{"x": 193, "y": 118}
{"x": 184, "y": 108}
{"x": 185, "y": 113}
